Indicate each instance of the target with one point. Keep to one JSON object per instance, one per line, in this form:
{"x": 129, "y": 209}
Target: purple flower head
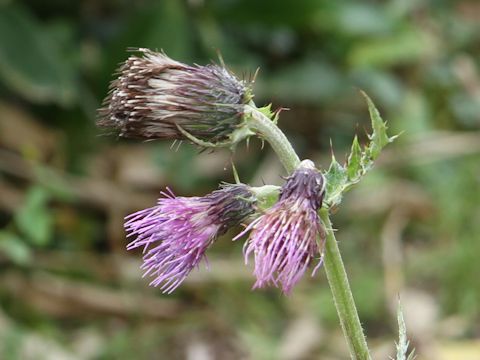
{"x": 154, "y": 97}
{"x": 284, "y": 240}
{"x": 176, "y": 233}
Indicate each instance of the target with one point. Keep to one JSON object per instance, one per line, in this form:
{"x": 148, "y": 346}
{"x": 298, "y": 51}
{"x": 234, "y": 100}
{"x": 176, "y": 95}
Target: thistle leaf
{"x": 339, "y": 177}
{"x": 403, "y": 343}
{"x": 354, "y": 162}
{"x": 337, "y": 180}
{"x": 378, "y": 138}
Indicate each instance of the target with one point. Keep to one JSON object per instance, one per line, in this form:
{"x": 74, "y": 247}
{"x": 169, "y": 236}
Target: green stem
{"x": 268, "y": 130}
{"x": 336, "y": 274}
{"x": 342, "y": 295}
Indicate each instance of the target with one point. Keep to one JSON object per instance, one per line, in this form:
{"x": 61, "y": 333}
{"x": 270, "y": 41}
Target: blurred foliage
{"x": 412, "y": 226}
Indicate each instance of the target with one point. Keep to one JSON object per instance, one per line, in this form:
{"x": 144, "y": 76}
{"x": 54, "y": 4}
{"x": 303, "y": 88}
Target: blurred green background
{"x": 68, "y": 288}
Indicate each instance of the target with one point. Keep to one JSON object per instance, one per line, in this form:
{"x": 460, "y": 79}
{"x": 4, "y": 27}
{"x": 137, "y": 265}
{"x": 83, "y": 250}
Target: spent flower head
{"x": 155, "y": 97}
{"x": 285, "y": 239}
{"x": 177, "y": 231}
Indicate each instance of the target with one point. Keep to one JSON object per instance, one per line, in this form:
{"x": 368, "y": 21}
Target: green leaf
{"x": 341, "y": 178}
{"x": 354, "y": 162}
{"x": 379, "y": 137}
{"x": 14, "y": 248}
{"x": 337, "y": 179}
{"x": 35, "y": 219}
{"x": 31, "y": 62}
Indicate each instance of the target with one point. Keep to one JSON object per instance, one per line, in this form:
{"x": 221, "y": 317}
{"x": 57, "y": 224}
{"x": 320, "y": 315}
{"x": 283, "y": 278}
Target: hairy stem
{"x": 336, "y": 274}
{"x": 342, "y": 295}
{"x": 268, "y": 130}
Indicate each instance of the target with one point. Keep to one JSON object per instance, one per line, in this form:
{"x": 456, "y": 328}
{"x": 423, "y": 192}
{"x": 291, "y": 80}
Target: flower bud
{"x": 156, "y": 97}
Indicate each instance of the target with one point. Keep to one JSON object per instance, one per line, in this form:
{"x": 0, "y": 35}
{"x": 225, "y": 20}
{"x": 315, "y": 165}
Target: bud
{"x": 180, "y": 229}
{"x": 156, "y": 97}
{"x": 284, "y": 240}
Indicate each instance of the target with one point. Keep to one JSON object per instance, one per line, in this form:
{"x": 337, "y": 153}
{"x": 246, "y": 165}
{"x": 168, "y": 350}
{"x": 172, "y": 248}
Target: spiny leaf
{"x": 360, "y": 161}
{"x": 337, "y": 179}
{"x": 378, "y": 138}
{"x": 354, "y": 162}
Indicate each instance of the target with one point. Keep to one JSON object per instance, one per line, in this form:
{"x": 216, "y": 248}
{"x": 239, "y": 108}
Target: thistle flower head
{"x": 284, "y": 240}
{"x": 156, "y": 97}
{"x": 176, "y": 233}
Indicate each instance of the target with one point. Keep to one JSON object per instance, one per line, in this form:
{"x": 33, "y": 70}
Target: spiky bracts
{"x": 285, "y": 239}
{"x": 176, "y": 233}
{"x": 156, "y": 97}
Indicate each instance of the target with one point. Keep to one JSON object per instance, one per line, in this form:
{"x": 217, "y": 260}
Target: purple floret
{"x": 176, "y": 233}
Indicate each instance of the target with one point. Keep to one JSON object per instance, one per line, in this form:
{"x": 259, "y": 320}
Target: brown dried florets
{"x": 156, "y": 97}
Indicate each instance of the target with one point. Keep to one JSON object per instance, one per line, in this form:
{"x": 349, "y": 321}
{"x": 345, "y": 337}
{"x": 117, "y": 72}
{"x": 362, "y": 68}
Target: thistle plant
{"x": 155, "y": 97}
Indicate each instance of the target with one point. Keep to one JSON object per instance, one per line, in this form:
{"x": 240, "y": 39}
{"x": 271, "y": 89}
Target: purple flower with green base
{"x": 285, "y": 239}
{"x": 176, "y": 233}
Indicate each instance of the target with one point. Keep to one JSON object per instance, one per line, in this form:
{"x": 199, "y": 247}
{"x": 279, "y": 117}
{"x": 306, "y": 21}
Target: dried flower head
{"x": 284, "y": 240}
{"x": 180, "y": 229}
{"x": 156, "y": 97}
